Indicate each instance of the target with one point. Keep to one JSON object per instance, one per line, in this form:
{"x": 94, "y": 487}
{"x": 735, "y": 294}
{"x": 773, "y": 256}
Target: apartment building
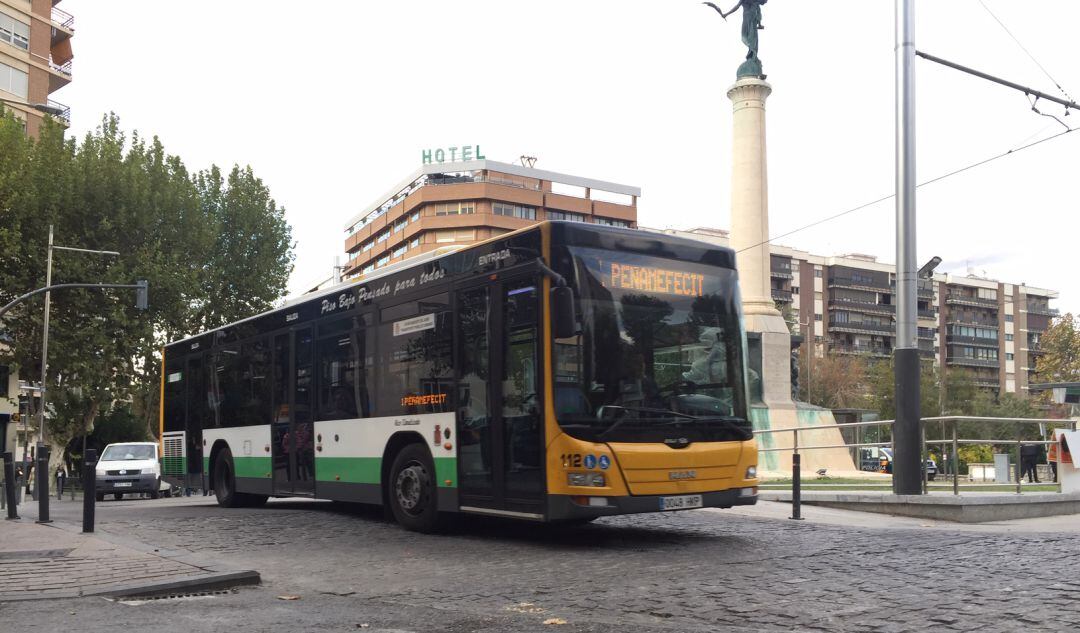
{"x": 847, "y": 305}
{"x": 35, "y": 59}
{"x": 444, "y": 204}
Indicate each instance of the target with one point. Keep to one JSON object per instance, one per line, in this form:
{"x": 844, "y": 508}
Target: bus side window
{"x": 415, "y": 372}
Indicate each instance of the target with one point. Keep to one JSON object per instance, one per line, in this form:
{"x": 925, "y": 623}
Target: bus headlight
{"x": 585, "y": 479}
{"x": 751, "y": 472}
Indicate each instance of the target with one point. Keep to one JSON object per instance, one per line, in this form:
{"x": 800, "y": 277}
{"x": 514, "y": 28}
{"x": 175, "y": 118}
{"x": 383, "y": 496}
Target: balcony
{"x": 978, "y": 302}
{"x": 868, "y": 350}
{"x": 927, "y": 314}
{"x": 863, "y": 306}
{"x": 63, "y": 18}
{"x": 954, "y": 319}
{"x": 862, "y": 328}
{"x": 972, "y": 362}
{"x": 781, "y": 273}
{"x": 860, "y": 284}
{"x": 65, "y": 114}
{"x": 977, "y": 341}
{"x": 781, "y": 295}
{"x": 1043, "y": 310}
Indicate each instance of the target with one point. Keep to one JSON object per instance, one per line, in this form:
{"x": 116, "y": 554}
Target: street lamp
{"x": 43, "y": 476}
{"x": 40, "y": 107}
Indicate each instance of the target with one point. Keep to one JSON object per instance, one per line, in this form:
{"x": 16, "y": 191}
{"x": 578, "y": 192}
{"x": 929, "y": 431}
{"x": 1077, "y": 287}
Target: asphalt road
{"x": 350, "y": 569}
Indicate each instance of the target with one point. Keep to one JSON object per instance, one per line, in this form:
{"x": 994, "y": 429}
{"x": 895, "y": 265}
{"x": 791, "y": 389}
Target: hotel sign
{"x": 451, "y": 154}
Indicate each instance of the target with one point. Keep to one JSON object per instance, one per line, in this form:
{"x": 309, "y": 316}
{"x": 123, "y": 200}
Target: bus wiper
{"x": 732, "y": 422}
{"x": 618, "y": 422}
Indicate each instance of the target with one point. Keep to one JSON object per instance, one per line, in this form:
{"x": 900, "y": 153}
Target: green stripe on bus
{"x": 368, "y": 470}
{"x": 253, "y": 467}
{"x": 446, "y": 471}
{"x": 352, "y": 470}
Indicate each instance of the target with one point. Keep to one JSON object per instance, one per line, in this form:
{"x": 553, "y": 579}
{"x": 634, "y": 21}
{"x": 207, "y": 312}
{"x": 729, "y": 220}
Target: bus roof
{"x": 576, "y": 233}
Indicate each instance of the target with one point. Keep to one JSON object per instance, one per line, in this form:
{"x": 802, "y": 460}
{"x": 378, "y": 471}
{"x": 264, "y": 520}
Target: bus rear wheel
{"x": 412, "y": 492}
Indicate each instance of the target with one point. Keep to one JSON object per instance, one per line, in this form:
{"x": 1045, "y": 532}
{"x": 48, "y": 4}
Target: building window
{"x": 817, "y": 273}
{"x": 1008, "y": 318}
{"x": 399, "y": 226}
{"x": 464, "y": 235}
{"x": 514, "y": 211}
{"x": 986, "y": 293}
{"x": 817, "y": 317}
{"x": 565, "y": 216}
{"x": 368, "y": 245}
{"x": 794, "y": 290}
{"x": 415, "y": 242}
{"x": 385, "y": 235}
{"x": 382, "y": 261}
{"x": 367, "y": 269}
{"x": 14, "y": 32}
{"x": 1009, "y": 356}
{"x": 609, "y": 222}
{"x": 13, "y": 80}
{"x": 399, "y": 251}
{"x": 455, "y": 208}
{"x": 1008, "y": 337}
{"x": 415, "y": 217}
{"x": 5, "y": 376}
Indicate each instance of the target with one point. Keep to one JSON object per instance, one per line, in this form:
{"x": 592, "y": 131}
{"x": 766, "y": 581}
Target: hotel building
{"x": 458, "y": 203}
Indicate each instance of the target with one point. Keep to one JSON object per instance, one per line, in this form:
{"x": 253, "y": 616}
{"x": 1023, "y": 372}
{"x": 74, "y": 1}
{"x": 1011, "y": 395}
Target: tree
{"x": 185, "y": 237}
{"x": 1061, "y": 344}
{"x": 836, "y": 381}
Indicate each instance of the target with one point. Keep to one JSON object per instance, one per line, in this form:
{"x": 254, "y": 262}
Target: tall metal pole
{"x": 907, "y": 474}
{"x": 45, "y": 337}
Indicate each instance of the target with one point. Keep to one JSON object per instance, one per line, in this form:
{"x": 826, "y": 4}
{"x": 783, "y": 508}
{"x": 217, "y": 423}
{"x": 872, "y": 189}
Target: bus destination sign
{"x": 652, "y": 279}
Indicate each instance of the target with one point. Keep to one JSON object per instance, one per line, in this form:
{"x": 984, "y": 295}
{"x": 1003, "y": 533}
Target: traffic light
{"x": 142, "y": 292}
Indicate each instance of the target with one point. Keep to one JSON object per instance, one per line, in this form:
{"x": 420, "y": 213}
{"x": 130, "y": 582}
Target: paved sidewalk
{"x": 56, "y": 560}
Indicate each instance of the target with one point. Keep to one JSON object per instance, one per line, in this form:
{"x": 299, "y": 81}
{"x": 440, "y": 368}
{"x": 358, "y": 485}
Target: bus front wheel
{"x": 412, "y": 491}
{"x": 225, "y": 485}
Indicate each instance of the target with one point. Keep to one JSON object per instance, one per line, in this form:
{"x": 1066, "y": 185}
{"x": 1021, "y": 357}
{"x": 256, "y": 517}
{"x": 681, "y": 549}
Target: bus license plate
{"x": 122, "y": 484}
{"x": 684, "y": 502}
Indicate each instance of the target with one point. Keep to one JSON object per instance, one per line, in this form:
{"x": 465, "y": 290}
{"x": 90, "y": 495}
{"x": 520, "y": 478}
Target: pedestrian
{"x": 1029, "y": 459}
{"x": 61, "y": 479}
{"x": 1052, "y": 455}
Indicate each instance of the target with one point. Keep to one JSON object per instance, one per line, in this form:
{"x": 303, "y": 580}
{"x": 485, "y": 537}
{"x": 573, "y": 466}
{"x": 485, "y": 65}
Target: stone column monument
{"x": 749, "y": 239}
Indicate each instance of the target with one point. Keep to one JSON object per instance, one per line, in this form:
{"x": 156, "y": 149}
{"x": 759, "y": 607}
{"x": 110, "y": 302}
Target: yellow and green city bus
{"x": 562, "y": 372}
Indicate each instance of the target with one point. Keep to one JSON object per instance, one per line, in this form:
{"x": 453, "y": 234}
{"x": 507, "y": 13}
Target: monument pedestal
{"x": 749, "y": 239}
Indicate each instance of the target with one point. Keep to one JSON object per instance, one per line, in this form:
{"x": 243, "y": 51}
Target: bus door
{"x": 500, "y": 426}
{"x": 199, "y": 398}
{"x": 291, "y": 430}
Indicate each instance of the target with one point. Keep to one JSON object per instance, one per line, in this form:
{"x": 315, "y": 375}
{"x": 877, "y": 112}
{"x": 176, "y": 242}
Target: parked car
{"x": 129, "y": 468}
{"x": 885, "y": 462}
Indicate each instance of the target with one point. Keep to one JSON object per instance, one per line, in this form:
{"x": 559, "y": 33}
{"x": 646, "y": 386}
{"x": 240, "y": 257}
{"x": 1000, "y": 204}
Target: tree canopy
{"x": 214, "y": 249}
{"x": 1061, "y": 344}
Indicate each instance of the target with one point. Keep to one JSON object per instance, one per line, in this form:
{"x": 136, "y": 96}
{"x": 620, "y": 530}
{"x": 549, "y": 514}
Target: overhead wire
{"x": 1026, "y": 51}
{"x": 922, "y": 184}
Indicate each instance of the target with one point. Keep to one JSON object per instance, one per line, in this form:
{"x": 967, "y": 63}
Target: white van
{"x": 129, "y": 467}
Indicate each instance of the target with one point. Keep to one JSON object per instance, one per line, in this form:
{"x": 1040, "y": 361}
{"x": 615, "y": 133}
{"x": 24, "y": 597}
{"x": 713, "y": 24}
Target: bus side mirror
{"x": 563, "y": 322}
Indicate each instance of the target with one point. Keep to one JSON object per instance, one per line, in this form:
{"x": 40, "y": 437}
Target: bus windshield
{"x": 660, "y": 352}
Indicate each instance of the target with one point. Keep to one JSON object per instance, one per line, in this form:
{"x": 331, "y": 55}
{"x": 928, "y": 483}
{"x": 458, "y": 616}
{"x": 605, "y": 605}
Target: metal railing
{"x": 65, "y": 111}
{"x": 63, "y": 18}
{"x": 63, "y": 69}
{"x": 955, "y": 441}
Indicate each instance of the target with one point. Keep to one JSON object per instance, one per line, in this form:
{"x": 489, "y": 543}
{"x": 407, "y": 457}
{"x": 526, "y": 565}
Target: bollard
{"x": 41, "y": 484}
{"x": 796, "y": 487}
{"x": 89, "y": 489}
{"x": 9, "y": 486}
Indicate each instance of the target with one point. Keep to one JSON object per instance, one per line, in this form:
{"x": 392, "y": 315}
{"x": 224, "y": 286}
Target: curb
{"x": 206, "y": 582}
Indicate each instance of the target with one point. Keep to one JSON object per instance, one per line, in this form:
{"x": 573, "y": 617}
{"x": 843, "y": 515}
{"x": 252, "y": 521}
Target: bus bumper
{"x": 568, "y": 508}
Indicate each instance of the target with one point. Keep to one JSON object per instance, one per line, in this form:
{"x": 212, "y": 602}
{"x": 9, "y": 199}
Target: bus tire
{"x": 411, "y": 490}
{"x": 118, "y": 495}
{"x": 225, "y": 480}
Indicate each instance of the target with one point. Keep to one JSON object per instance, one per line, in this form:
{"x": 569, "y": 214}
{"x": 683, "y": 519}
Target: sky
{"x": 331, "y": 104}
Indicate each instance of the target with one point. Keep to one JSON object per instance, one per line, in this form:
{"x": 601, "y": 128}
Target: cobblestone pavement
{"x": 688, "y": 571}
